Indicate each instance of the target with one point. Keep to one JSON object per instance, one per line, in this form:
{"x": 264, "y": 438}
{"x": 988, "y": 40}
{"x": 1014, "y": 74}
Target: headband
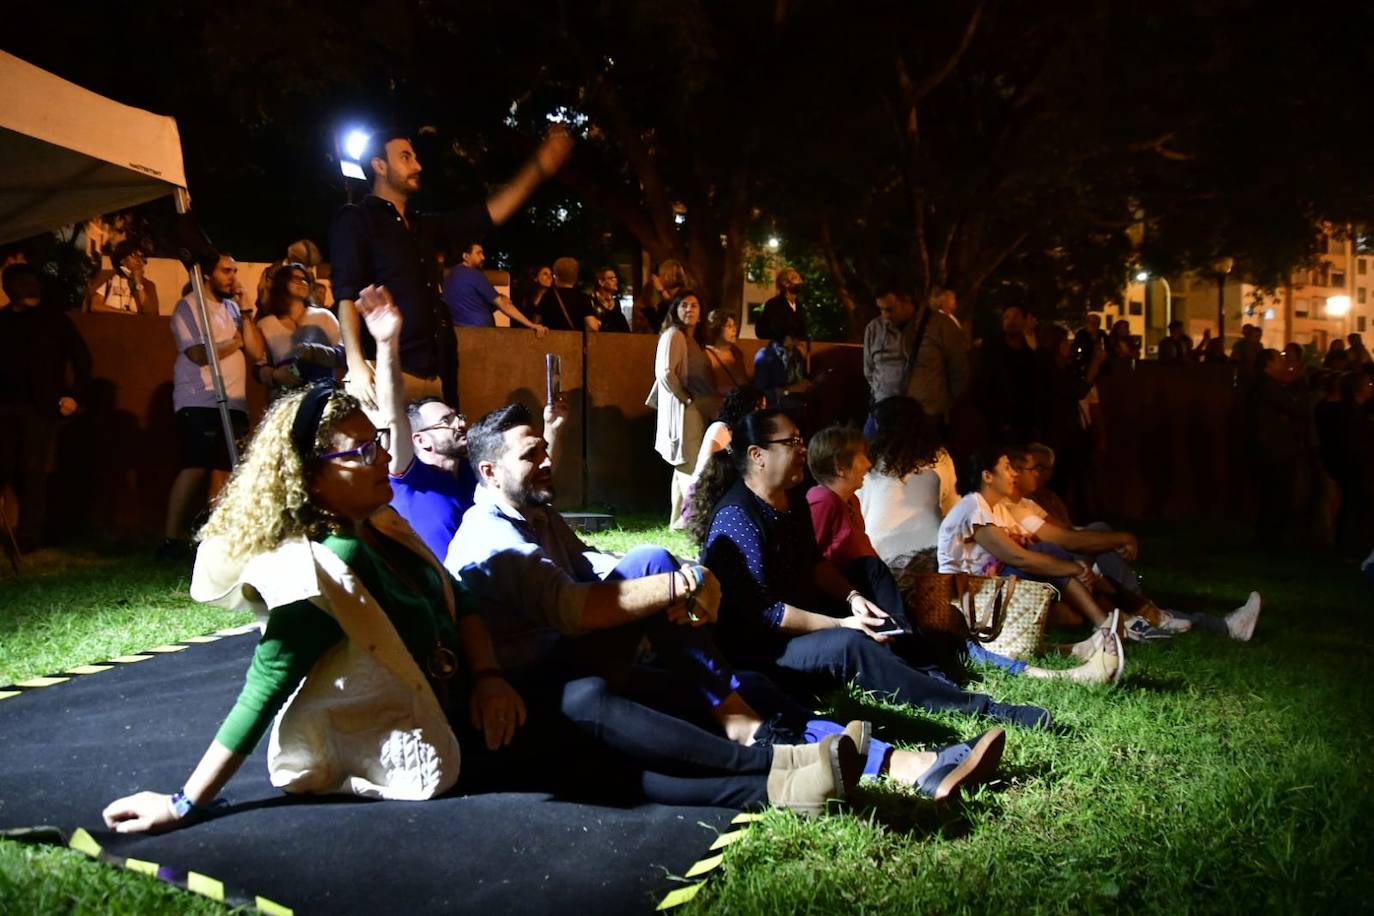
{"x": 308, "y": 414}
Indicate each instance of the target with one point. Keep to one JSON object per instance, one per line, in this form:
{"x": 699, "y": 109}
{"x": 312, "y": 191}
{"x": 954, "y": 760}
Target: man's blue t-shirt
{"x": 470, "y": 297}
{"x": 433, "y": 501}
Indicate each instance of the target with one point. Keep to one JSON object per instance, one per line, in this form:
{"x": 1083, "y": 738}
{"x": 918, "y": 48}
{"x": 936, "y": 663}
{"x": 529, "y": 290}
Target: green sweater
{"x": 299, "y": 634}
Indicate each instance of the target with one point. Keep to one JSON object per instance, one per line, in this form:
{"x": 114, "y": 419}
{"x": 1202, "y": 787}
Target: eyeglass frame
{"x": 361, "y": 451}
{"x": 790, "y": 442}
{"x": 446, "y": 423}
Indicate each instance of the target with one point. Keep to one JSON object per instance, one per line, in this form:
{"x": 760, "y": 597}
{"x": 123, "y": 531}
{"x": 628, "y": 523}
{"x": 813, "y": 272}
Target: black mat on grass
{"x": 67, "y": 750}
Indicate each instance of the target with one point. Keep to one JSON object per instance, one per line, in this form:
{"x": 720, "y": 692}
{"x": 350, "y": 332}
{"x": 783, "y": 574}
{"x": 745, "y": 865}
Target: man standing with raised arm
{"x": 381, "y": 241}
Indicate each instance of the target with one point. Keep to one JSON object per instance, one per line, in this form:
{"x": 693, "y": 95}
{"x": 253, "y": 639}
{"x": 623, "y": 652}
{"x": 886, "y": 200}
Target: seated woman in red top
{"x": 838, "y": 459}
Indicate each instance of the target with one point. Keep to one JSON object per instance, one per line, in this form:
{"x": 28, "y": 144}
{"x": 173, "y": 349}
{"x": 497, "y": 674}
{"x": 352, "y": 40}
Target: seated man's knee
{"x": 644, "y": 560}
{"x": 584, "y": 698}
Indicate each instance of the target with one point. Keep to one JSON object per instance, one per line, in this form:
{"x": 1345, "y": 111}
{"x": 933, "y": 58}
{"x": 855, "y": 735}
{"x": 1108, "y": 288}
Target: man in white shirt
{"x": 204, "y": 453}
{"x": 1111, "y": 553}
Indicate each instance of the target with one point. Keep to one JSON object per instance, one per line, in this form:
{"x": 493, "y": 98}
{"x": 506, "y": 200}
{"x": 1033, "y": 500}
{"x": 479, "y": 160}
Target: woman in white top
{"x": 910, "y": 487}
{"x": 683, "y": 393}
{"x": 302, "y": 340}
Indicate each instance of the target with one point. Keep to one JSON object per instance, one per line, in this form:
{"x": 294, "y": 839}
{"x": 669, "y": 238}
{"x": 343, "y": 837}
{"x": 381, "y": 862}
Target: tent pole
{"x": 183, "y": 202}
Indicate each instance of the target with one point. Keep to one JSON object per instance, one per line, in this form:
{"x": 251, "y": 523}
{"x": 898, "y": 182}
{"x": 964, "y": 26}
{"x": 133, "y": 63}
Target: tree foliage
{"x": 1011, "y": 152}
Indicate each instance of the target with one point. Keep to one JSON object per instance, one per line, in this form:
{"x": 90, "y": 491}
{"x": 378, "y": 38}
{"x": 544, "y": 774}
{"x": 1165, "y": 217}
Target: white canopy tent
{"x": 68, "y": 154}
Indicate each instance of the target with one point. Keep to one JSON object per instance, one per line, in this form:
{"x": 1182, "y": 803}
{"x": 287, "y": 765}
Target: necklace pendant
{"x": 442, "y": 663}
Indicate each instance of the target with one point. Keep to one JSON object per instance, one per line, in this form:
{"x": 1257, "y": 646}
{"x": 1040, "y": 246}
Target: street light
{"x": 1338, "y": 306}
{"x": 352, "y": 146}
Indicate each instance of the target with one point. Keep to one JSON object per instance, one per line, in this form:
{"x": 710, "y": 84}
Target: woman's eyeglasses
{"x": 790, "y": 442}
{"x": 367, "y": 451}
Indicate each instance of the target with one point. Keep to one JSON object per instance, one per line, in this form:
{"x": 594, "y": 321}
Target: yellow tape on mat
{"x": 725, "y": 839}
{"x": 82, "y": 841}
{"x": 704, "y": 866}
{"x": 130, "y": 659}
{"x": 205, "y": 885}
{"x": 202, "y": 639}
{"x": 142, "y": 867}
{"x": 680, "y": 896}
{"x": 167, "y": 650}
{"x": 89, "y": 669}
{"x": 272, "y": 907}
{"x": 6, "y": 694}
{"x": 41, "y": 681}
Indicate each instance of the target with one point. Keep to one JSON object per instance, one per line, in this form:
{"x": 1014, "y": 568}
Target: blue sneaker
{"x": 960, "y": 764}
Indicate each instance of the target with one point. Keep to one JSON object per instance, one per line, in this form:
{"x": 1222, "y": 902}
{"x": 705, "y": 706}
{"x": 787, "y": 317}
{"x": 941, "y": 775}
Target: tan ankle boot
{"x": 804, "y": 777}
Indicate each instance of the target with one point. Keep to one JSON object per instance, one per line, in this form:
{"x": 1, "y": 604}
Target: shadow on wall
{"x": 1171, "y": 446}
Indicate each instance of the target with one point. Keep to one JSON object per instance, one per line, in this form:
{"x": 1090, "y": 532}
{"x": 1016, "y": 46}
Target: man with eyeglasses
{"x": 606, "y": 314}
{"x": 436, "y": 488}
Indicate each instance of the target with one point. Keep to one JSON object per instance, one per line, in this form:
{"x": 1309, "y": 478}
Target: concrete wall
{"x": 1169, "y": 432}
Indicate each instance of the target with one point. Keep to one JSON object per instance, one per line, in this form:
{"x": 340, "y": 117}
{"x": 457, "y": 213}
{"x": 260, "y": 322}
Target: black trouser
{"x": 583, "y": 740}
{"x": 24, "y": 447}
{"x": 813, "y": 663}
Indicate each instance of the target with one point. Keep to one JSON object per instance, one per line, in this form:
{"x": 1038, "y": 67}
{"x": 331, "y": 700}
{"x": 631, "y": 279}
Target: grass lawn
{"x": 1217, "y": 777}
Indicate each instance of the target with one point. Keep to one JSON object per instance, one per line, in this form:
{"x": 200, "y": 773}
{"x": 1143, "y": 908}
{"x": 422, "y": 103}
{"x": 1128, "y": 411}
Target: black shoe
{"x": 775, "y": 731}
{"x": 1024, "y": 716}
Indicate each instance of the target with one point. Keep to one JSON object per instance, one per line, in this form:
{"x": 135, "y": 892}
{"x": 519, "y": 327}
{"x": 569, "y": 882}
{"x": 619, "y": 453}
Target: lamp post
{"x": 1143, "y": 276}
{"x": 1221, "y": 267}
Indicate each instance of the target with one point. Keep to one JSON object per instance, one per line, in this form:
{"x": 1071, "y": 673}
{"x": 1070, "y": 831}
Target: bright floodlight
{"x": 355, "y": 143}
{"x": 773, "y": 242}
{"x": 352, "y": 170}
{"x": 1268, "y": 314}
{"x": 1142, "y": 276}
{"x": 1337, "y": 306}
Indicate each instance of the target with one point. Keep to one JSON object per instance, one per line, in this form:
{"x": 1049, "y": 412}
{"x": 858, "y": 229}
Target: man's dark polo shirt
{"x": 370, "y": 243}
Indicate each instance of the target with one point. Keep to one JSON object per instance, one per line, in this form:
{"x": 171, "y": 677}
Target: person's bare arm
{"x": 796, "y": 621}
{"x": 547, "y": 159}
{"x": 196, "y": 352}
{"x": 621, "y": 601}
{"x": 253, "y": 343}
{"x": 832, "y": 582}
{"x": 494, "y": 707}
{"x": 148, "y": 303}
{"x": 1089, "y": 542}
{"x": 153, "y": 811}
{"x": 514, "y": 314}
{"x": 996, "y": 542}
{"x": 360, "y": 375}
{"x": 383, "y": 318}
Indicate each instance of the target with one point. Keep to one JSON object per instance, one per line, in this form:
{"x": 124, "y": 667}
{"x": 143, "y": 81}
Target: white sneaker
{"x": 1107, "y": 664}
{"x": 1241, "y": 622}
{"x": 1171, "y": 624}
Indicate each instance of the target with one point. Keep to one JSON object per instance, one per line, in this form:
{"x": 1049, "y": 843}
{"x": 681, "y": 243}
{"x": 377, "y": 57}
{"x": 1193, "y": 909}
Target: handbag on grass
{"x": 1004, "y": 613}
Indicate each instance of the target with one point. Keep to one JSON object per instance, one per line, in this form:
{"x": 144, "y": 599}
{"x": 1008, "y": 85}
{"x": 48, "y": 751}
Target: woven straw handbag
{"x": 1004, "y": 613}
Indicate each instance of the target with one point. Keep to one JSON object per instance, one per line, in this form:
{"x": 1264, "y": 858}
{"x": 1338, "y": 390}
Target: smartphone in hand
{"x": 553, "y": 378}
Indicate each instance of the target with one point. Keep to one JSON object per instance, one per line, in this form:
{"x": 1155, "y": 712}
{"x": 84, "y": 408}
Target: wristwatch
{"x": 184, "y": 807}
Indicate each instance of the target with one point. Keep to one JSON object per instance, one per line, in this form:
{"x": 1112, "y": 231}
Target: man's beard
{"x": 532, "y": 495}
{"x": 454, "y": 450}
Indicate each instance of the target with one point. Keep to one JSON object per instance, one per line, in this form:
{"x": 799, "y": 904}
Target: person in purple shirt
{"x": 470, "y": 297}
